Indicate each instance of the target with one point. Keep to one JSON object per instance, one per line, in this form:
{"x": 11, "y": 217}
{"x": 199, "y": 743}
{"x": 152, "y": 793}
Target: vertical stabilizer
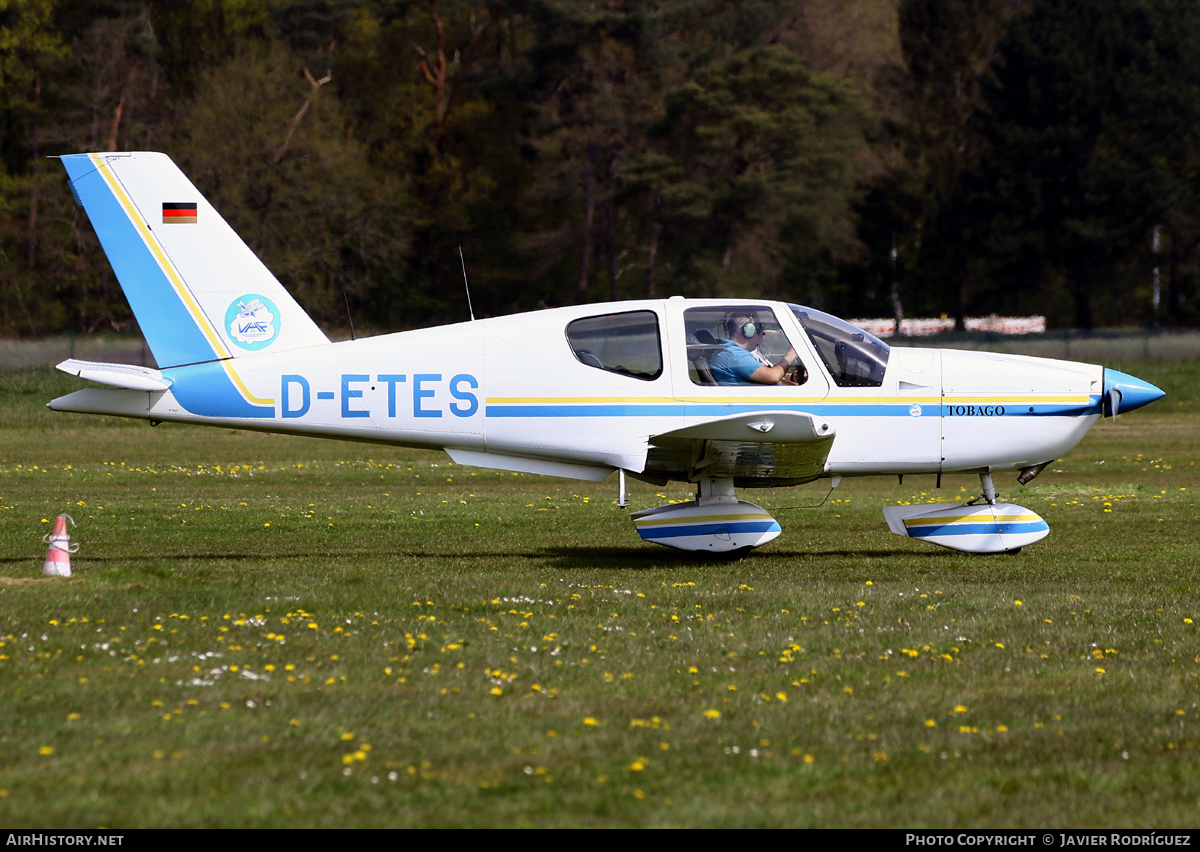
{"x": 199, "y": 293}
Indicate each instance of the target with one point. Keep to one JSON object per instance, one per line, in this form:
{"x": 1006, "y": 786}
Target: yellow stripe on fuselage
{"x": 1062, "y": 399}
{"x": 245, "y": 391}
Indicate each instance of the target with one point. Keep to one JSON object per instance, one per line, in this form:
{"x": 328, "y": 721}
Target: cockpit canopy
{"x": 630, "y": 343}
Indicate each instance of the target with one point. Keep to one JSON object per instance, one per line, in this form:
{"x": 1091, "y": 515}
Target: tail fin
{"x": 199, "y": 293}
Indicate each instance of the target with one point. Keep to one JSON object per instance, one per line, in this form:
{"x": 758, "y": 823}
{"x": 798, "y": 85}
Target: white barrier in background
{"x": 929, "y": 326}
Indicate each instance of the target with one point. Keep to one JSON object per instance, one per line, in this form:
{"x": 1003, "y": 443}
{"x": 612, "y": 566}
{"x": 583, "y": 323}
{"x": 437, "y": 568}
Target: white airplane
{"x": 659, "y": 389}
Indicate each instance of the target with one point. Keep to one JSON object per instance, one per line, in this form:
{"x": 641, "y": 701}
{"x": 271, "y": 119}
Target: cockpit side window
{"x": 726, "y": 345}
{"x": 854, "y": 358}
{"x": 625, "y": 343}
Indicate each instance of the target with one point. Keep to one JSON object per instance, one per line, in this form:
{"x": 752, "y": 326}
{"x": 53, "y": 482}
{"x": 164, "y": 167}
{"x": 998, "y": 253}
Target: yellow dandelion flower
{"x": 590, "y": 721}
{"x": 712, "y": 713}
{"x": 46, "y": 751}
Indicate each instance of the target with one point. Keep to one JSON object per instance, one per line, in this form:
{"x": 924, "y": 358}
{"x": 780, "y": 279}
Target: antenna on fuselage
{"x": 349, "y": 316}
{"x": 467, "y": 285}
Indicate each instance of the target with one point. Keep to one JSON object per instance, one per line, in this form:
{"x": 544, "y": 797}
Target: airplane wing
{"x": 765, "y": 448}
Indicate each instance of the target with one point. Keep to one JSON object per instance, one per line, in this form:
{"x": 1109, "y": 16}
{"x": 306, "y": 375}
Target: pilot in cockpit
{"x": 740, "y": 360}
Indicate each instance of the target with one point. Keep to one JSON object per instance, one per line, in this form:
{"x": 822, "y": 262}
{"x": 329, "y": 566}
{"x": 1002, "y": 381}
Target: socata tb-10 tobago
{"x": 720, "y": 393}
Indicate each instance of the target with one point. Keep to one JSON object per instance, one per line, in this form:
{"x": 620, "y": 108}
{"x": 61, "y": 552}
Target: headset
{"x": 741, "y": 324}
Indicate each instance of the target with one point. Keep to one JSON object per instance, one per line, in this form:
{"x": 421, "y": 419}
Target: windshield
{"x": 855, "y": 358}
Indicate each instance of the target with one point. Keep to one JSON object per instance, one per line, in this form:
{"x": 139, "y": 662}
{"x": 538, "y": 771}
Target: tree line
{"x": 867, "y": 157}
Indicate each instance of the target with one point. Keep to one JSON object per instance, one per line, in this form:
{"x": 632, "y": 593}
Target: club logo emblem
{"x": 252, "y": 322}
{"x": 915, "y": 411}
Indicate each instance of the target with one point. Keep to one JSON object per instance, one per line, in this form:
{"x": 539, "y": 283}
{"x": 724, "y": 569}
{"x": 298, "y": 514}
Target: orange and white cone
{"x": 58, "y": 556}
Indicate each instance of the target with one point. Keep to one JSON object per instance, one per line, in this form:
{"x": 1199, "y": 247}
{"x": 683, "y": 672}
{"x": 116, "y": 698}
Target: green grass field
{"x": 270, "y": 631}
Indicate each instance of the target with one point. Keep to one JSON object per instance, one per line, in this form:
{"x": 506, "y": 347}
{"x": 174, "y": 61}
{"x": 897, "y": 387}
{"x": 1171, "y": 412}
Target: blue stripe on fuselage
{"x": 206, "y": 390}
{"x": 824, "y": 409}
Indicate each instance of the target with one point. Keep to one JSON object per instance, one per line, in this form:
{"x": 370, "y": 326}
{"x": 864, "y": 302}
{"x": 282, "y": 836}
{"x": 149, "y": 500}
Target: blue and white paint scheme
{"x": 579, "y": 391}
{"x": 984, "y": 528}
{"x": 716, "y": 527}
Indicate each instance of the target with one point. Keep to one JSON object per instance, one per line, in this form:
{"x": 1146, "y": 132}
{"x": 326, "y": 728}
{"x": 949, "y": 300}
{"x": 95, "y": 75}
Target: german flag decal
{"x": 179, "y": 212}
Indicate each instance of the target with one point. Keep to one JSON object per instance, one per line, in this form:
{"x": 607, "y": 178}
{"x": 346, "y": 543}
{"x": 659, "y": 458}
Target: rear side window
{"x": 625, "y": 343}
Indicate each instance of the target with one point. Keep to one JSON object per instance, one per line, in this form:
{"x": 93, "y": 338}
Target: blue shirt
{"x": 733, "y": 365}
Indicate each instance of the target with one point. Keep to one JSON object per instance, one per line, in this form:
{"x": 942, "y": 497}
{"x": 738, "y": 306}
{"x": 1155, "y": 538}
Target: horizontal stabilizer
{"x": 118, "y": 403}
{"x": 128, "y": 376}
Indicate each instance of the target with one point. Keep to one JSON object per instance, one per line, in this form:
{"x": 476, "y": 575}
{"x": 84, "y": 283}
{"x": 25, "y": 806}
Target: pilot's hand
{"x": 795, "y": 375}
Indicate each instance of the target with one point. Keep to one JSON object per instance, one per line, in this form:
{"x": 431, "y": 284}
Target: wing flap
{"x": 498, "y": 461}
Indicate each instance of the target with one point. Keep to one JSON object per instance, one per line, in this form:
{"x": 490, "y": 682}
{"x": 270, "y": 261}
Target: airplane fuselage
{"x": 512, "y": 388}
